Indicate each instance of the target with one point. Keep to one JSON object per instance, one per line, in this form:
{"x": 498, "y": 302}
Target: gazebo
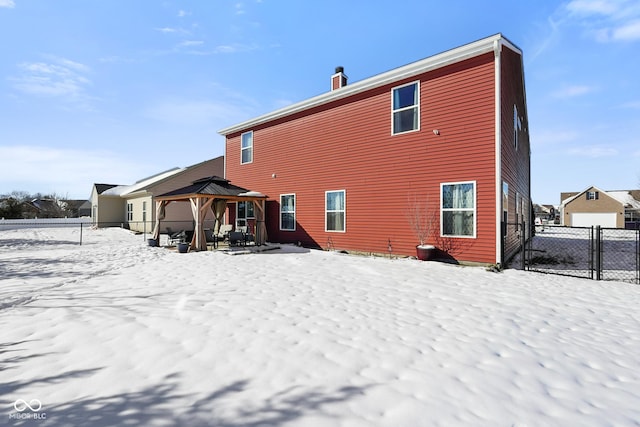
{"x": 211, "y": 193}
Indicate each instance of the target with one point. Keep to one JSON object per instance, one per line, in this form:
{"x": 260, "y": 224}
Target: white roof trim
{"x": 431, "y": 63}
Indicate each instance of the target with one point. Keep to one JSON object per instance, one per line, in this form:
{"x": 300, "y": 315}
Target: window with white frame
{"x": 129, "y": 211}
{"x": 335, "y": 210}
{"x": 406, "y": 108}
{"x": 458, "y": 209}
{"x": 245, "y": 210}
{"x": 592, "y": 195}
{"x": 246, "y": 147}
{"x": 288, "y": 212}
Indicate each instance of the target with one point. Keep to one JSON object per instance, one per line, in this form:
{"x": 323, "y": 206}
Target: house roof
{"x": 431, "y": 63}
{"x": 624, "y": 197}
{"x": 123, "y": 190}
{"x": 101, "y": 188}
{"x": 213, "y": 186}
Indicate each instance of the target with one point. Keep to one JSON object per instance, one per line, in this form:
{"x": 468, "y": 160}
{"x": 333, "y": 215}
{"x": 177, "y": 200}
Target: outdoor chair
{"x": 223, "y": 232}
{"x": 212, "y": 239}
{"x": 175, "y": 237}
{"x": 236, "y": 238}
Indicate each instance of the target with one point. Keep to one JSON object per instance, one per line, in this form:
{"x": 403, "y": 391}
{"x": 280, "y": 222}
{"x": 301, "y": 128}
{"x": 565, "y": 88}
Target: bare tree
{"x": 422, "y": 218}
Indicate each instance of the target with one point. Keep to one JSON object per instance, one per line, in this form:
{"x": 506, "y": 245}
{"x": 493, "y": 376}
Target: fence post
{"x": 638, "y": 256}
{"x": 598, "y": 254}
{"x": 80, "y": 234}
{"x": 523, "y": 240}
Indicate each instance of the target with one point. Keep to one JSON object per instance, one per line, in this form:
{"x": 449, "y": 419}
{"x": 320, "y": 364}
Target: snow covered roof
{"x": 123, "y": 190}
{"x": 624, "y": 197}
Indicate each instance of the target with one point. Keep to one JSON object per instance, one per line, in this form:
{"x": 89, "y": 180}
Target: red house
{"x": 345, "y": 169}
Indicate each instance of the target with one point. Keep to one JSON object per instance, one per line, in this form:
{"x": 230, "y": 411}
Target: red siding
{"x": 515, "y": 162}
{"x": 347, "y": 145}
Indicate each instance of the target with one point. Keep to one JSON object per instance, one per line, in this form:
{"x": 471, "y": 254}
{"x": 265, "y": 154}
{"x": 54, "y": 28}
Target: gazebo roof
{"x": 212, "y": 186}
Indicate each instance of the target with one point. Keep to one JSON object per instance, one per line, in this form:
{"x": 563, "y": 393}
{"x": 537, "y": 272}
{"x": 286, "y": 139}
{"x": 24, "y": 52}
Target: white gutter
{"x": 497, "y": 46}
{"x": 434, "y": 62}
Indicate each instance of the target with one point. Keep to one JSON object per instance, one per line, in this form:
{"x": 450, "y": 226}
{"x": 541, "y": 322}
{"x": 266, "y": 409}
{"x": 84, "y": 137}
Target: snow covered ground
{"x": 115, "y": 332}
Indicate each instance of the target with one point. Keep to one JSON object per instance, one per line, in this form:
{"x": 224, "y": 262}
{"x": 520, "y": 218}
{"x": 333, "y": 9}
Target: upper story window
{"x": 246, "y": 147}
{"x": 458, "y": 209}
{"x": 517, "y": 126}
{"x": 335, "y": 211}
{"x": 406, "y": 108}
{"x": 288, "y": 212}
{"x": 592, "y": 195}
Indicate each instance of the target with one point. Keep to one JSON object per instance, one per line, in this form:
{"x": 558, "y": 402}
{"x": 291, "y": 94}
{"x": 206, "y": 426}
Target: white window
{"x": 335, "y": 210}
{"x": 406, "y": 108}
{"x": 246, "y": 148}
{"x": 458, "y": 209}
{"x": 592, "y": 195}
{"x": 129, "y": 211}
{"x": 288, "y": 212}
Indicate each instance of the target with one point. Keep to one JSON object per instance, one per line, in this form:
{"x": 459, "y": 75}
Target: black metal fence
{"x": 589, "y": 252}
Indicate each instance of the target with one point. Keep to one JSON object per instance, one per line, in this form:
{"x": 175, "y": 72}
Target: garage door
{"x": 592, "y": 219}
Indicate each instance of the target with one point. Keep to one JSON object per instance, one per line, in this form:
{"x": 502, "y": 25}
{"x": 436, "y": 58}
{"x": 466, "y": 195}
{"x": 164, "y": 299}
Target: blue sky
{"x": 114, "y": 91}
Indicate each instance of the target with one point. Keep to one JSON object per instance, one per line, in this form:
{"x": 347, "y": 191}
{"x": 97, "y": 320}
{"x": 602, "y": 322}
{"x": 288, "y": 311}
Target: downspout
{"x": 497, "y": 47}
{"x": 224, "y": 162}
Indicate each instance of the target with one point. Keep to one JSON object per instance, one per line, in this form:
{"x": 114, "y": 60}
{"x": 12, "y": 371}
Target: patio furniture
{"x": 223, "y": 232}
{"x": 212, "y": 239}
{"x": 175, "y": 237}
{"x": 236, "y": 238}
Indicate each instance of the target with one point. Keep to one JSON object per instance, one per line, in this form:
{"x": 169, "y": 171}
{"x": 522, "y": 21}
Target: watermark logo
{"x": 28, "y": 410}
{"x": 21, "y": 405}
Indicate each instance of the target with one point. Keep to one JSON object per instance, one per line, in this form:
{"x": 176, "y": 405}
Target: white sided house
{"x": 133, "y": 206}
{"x": 596, "y": 207}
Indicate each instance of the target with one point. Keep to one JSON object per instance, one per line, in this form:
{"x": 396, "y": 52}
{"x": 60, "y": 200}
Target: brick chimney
{"x": 339, "y": 79}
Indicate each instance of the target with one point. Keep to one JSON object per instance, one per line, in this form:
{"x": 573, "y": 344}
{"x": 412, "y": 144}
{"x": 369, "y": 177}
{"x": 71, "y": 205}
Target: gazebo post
{"x": 160, "y": 214}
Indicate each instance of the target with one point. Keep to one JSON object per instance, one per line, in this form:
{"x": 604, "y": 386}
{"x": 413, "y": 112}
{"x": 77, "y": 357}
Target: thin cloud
{"x": 594, "y": 151}
{"x": 60, "y": 77}
{"x": 7, "y": 3}
{"x": 189, "y": 43}
{"x": 588, "y": 7}
{"x": 240, "y": 9}
{"x": 29, "y": 164}
{"x": 167, "y": 30}
{"x": 631, "y": 104}
{"x": 183, "y": 13}
{"x": 234, "y": 48}
{"x": 572, "y": 91}
{"x": 627, "y": 32}
{"x": 607, "y": 20}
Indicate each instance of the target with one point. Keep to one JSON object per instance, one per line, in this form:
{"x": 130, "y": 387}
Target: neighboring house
{"x": 42, "y": 208}
{"x": 76, "y": 208}
{"x": 343, "y": 169}
{"x": 545, "y": 212}
{"x": 133, "y": 206}
{"x": 593, "y": 206}
{"x": 106, "y": 209}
